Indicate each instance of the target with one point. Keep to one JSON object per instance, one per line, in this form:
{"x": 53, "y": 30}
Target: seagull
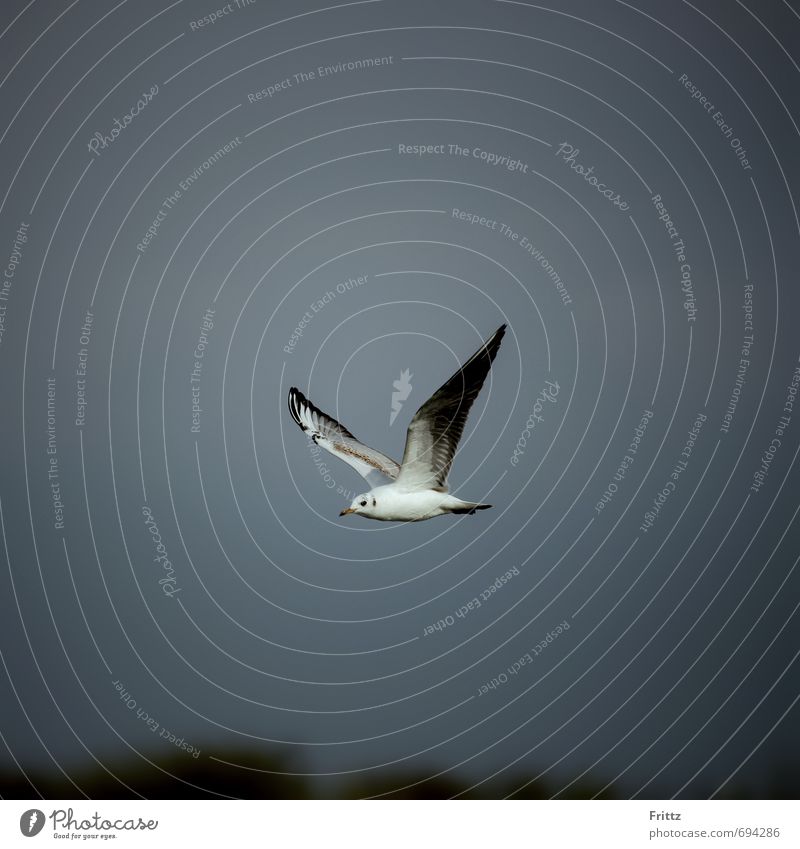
{"x": 415, "y": 489}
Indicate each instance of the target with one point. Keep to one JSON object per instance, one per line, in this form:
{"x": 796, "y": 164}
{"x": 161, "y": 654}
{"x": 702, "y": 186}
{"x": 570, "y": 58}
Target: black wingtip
{"x": 492, "y": 345}
{"x": 294, "y": 399}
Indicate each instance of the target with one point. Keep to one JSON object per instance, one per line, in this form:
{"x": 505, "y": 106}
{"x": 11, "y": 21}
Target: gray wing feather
{"x": 436, "y": 428}
{"x": 374, "y": 466}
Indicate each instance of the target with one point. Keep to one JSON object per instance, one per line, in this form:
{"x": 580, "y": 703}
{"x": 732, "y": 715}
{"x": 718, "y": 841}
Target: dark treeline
{"x": 270, "y": 776}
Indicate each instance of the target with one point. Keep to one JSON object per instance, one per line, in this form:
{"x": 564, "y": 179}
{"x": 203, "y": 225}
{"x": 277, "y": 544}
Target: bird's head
{"x": 363, "y": 504}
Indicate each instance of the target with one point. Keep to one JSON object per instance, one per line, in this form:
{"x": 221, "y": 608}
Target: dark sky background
{"x": 662, "y": 643}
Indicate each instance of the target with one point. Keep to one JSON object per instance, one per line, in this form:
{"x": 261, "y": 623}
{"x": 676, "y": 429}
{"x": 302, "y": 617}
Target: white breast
{"x": 397, "y": 505}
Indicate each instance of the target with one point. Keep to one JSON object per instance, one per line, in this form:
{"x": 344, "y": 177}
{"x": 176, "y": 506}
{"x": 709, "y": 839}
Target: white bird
{"x": 415, "y": 489}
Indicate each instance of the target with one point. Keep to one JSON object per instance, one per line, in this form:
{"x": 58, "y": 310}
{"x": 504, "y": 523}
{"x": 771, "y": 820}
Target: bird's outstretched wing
{"x": 436, "y": 428}
{"x": 375, "y": 467}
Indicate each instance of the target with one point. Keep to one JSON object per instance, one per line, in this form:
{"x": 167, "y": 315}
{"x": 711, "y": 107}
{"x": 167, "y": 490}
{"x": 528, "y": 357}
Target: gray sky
{"x": 250, "y": 226}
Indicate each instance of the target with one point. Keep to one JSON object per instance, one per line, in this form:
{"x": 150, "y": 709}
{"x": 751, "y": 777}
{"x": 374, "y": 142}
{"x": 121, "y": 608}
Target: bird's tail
{"x": 469, "y": 507}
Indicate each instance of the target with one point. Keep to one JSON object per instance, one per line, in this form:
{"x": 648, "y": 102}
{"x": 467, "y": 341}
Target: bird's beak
{"x": 348, "y": 510}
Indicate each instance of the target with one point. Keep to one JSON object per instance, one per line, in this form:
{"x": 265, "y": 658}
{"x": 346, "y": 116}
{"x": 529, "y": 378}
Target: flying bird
{"x": 416, "y": 488}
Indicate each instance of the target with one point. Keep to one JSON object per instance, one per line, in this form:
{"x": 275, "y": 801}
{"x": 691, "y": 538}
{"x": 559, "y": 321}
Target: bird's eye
{"x": 363, "y": 503}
